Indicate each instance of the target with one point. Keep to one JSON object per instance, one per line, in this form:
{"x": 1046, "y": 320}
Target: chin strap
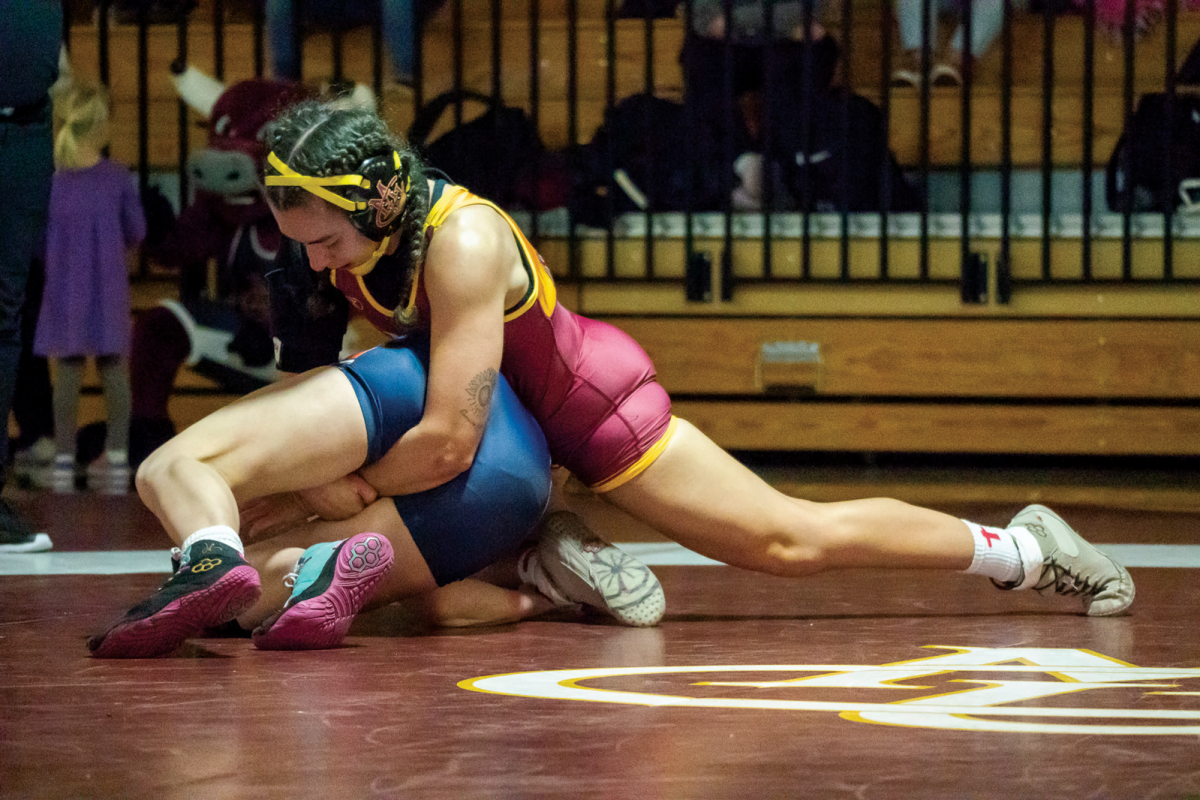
{"x": 369, "y": 264}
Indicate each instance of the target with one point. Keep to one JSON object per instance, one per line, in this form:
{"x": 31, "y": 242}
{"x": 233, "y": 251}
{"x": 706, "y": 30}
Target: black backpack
{"x": 1137, "y": 170}
{"x": 811, "y": 158}
{"x": 642, "y": 158}
{"x": 495, "y": 155}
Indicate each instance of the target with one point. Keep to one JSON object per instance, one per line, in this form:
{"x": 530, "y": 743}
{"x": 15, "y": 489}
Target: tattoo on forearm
{"x": 479, "y": 397}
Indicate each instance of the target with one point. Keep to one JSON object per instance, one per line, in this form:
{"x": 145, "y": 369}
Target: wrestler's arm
{"x": 466, "y": 276}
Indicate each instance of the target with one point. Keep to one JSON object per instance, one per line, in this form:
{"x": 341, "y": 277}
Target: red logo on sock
{"x": 989, "y": 536}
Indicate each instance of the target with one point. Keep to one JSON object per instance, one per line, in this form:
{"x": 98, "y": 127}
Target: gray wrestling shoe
{"x": 570, "y": 565}
{"x": 1068, "y": 564}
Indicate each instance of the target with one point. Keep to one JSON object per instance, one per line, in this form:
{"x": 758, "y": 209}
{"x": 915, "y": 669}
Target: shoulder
{"x": 473, "y": 232}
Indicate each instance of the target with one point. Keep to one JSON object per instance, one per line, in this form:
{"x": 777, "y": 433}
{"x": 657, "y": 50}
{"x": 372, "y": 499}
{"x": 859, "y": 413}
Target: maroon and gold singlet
{"x": 590, "y": 386}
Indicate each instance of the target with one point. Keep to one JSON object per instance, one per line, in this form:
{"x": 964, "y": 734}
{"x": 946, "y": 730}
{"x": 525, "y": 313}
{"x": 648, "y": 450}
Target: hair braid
{"x": 318, "y": 138}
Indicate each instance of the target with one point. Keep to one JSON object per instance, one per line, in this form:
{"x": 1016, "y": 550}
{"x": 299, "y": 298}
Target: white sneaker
{"x": 1065, "y": 561}
{"x": 62, "y": 474}
{"x": 571, "y": 565}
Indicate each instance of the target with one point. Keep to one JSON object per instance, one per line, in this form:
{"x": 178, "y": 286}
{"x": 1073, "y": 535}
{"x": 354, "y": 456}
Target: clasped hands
{"x": 264, "y": 517}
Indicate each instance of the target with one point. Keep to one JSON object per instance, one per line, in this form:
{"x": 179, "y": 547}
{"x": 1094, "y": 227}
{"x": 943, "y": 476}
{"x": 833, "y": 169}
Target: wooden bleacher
{"x": 591, "y": 61}
{"x": 1080, "y": 370}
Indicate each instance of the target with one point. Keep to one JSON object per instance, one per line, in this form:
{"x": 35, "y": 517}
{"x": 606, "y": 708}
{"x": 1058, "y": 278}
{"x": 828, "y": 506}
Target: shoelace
{"x": 289, "y": 580}
{"x": 1065, "y": 582}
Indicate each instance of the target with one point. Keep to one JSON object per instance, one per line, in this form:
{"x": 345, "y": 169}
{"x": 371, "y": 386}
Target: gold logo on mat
{"x": 992, "y": 689}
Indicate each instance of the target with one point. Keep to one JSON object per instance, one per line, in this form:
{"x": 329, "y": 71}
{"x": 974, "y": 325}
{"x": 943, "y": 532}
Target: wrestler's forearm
{"x": 421, "y": 459}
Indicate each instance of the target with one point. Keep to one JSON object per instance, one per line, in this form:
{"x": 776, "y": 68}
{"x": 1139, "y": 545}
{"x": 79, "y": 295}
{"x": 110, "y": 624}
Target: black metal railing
{"x": 789, "y": 217}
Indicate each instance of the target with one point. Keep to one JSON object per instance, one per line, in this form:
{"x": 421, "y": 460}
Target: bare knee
{"x": 820, "y": 536}
{"x": 164, "y": 469}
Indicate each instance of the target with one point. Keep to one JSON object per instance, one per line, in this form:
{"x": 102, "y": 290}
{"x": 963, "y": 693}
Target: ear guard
{"x": 376, "y": 197}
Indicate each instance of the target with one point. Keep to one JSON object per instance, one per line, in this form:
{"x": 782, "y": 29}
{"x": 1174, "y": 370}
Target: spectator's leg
{"x": 32, "y": 402}
{"x": 399, "y": 20}
{"x": 987, "y": 18}
{"x": 281, "y": 32}
{"x": 25, "y": 161}
{"x": 114, "y": 378}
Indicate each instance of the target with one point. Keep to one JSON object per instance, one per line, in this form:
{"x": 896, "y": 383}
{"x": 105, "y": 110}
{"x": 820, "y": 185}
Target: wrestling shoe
{"x": 570, "y": 565}
{"x": 18, "y": 537}
{"x": 333, "y": 580}
{"x": 212, "y": 586}
{"x": 1067, "y": 563}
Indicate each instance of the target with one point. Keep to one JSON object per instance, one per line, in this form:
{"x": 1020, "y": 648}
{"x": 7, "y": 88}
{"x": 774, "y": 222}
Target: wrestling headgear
{"x": 376, "y": 197}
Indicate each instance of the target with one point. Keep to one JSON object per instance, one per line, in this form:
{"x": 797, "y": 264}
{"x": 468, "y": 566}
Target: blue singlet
{"x": 466, "y": 524}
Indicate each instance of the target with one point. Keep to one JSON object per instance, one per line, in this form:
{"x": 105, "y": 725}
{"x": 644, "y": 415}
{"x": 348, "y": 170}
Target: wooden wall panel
{"x": 932, "y": 358}
{"x": 937, "y": 428}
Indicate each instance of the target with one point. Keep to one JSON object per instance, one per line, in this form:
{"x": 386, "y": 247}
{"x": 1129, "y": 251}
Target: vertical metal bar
{"x": 689, "y": 137}
{"x": 256, "y": 19}
{"x": 298, "y": 35}
{"x": 1089, "y": 100}
{"x": 1047, "y": 125}
{"x": 377, "y": 59}
{"x": 535, "y": 91}
{"x": 418, "y": 41}
{"x": 806, "y": 131}
{"x": 926, "y": 36}
{"x": 181, "y": 56}
{"x": 338, "y": 68}
{"x": 844, "y": 145}
{"x": 610, "y": 100}
{"x": 964, "y": 169}
{"x": 885, "y": 109}
{"x": 648, "y": 76}
{"x": 1170, "y": 196}
{"x": 769, "y": 112}
{"x": 219, "y": 39}
{"x": 1006, "y": 86}
{"x": 143, "y": 104}
{"x": 727, "y": 153}
{"x": 1127, "y": 32}
{"x": 457, "y": 59}
{"x": 497, "y": 87}
{"x": 103, "y": 43}
{"x": 572, "y": 117}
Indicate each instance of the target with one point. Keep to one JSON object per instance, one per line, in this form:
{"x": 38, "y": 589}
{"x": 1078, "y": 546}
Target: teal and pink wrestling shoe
{"x": 333, "y": 581}
{"x": 212, "y": 585}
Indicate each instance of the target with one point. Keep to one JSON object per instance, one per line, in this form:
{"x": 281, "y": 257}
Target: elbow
{"x": 453, "y": 461}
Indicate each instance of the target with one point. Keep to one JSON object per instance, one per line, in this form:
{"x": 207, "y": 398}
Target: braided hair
{"x": 323, "y": 138}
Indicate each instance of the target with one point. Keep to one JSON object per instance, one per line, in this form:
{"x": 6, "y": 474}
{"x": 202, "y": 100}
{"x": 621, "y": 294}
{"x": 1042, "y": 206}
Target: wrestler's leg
{"x": 473, "y": 601}
{"x": 703, "y": 498}
{"x": 302, "y": 432}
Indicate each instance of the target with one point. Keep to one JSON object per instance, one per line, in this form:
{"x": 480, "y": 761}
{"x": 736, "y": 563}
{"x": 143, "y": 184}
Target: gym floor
{"x": 894, "y": 684}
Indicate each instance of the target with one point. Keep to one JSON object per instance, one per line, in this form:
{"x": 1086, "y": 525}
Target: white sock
{"x": 217, "y": 533}
{"x": 996, "y": 554}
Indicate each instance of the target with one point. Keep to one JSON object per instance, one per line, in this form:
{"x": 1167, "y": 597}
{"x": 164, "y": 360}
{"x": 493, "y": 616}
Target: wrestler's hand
{"x": 265, "y": 517}
{"x": 339, "y": 499}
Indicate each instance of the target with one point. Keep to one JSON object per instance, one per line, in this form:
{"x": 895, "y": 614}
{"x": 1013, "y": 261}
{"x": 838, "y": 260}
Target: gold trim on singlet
{"x": 639, "y": 466}
{"x": 541, "y": 285}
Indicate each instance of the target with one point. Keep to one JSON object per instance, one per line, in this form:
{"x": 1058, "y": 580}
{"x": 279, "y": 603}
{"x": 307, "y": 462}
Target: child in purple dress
{"x": 95, "y": 216}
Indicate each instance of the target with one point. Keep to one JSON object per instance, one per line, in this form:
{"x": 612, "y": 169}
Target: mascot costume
{"x": 221, "y": 245}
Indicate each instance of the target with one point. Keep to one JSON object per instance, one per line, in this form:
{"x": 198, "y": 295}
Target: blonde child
{"x": 95, "y": 216}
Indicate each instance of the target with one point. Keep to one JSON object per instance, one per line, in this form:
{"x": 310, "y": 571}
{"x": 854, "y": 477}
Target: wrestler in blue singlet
{"x": 462, "y": 526}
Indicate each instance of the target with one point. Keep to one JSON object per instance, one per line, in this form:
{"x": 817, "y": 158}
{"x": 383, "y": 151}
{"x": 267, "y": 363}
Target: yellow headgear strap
{"x": 369, "y": 264}
{"x": 289, "y": 177}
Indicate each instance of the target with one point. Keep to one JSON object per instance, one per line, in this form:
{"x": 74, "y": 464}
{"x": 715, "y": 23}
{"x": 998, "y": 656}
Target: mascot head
{"x": 229, "y": 167}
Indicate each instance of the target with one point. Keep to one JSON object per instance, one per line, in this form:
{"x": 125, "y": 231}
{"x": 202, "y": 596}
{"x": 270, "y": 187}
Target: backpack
{"x": 638, "y": 159}
{"x": 813, "y": 173}
{"x": 498, "y": 155}
{"x": 1137, "y": 170}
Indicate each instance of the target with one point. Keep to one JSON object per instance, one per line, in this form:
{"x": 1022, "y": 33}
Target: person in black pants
{"x": 30, "y": 41}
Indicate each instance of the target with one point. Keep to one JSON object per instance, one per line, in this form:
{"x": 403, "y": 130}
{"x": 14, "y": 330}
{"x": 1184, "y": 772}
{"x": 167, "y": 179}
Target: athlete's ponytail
{"x": 83, "y": 115}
